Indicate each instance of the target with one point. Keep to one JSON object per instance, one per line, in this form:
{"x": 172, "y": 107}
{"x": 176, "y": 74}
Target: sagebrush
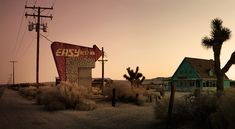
{"x": 205, "y": 110}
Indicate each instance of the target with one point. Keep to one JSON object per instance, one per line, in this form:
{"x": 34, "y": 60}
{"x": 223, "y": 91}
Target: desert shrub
{"x": 126, "y": 93}
{"x": 96, "y": 91}
{"x": 28, "y": 92}
{"x": 22, "y": 85}
{"x": 141, "y": 100}
{"x": 123, "y": 91}
{"x": 195, "y": 108}
{"x": 72, "y": 93}
{"x": 226, "y": 109}
{"x": 85, "y": 105}
{"x": 202, "y": 109}
{"x": 66, "y": 95}
{"x": 161, "y": 108}
{"x": 48, "y": 94}
{"x": 218, "y": 121}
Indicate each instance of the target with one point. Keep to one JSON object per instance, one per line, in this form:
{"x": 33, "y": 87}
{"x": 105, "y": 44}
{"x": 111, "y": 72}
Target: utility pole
{"x": 37, "y": 27}
{"x": 103, "y": 61}
{"x": 13, "y": 71}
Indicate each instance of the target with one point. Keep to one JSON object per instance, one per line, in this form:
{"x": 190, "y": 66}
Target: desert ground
{"x": 17, "y": 112}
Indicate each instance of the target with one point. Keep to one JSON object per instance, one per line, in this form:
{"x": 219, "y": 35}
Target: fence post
{"x": 114, "y": 97}
{"x": 171, "y": 103}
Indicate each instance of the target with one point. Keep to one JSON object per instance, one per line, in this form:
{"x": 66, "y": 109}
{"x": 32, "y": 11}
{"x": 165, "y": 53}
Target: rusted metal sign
{"x": 69, "y": 57}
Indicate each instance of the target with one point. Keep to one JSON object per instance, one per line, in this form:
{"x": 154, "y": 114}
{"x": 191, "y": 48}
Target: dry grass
{"x": 126, "y": 93}
{"x": 28, "y": 92}
{"x": 73, "y": 93}
{"x": 66, "y": 95}
{"x": 47, "y": 95}
{"x": 203, "y": 111}
{"x": 226, "y": 109}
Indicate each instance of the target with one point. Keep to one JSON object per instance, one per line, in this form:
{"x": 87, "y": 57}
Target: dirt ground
{"x": 18, "y": 113}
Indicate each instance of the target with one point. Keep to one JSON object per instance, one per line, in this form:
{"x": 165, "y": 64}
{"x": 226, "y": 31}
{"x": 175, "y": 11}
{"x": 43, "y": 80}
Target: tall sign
{"x": 74, "y": 62}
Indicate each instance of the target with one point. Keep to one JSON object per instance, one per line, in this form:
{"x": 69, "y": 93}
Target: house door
{"x": 197, "y": 83}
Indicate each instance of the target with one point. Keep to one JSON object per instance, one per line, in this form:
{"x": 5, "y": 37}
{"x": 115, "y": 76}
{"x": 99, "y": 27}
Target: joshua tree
{"x": 135, "y": 78}
{"x": 219, "y": 34}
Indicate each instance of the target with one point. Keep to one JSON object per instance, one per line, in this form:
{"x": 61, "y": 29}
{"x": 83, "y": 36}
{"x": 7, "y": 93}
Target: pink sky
{"x": 153, "y": 34}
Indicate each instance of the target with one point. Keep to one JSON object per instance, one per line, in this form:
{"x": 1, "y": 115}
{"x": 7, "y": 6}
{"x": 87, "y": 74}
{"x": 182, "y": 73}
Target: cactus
{"x": 135, "y": 78}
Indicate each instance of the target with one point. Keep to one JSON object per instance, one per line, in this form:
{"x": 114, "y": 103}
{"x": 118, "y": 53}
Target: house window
{"x": 207, "y": 83}
{"x": 214, "y": 84}
{"x": 192, "y": 83}
{"x": 211, "y": 72}
{"x": 211, "y": 85}
{"x": 204, "y": 84}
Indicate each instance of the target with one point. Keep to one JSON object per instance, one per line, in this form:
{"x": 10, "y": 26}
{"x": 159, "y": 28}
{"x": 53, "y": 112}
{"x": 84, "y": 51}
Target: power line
{"x": 26, "y": 49}
{"x": 54, "y": 3}
{"x": 26, "y": 2}
{"x": 35, "y": 2}
{"x": 20, "y": 45}
{"x": 46, "y": 38}
{"x": 17, "y": 38}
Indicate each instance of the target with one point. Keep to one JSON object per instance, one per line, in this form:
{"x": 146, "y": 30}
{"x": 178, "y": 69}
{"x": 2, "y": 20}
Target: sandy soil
{"x": 19, "y": 113}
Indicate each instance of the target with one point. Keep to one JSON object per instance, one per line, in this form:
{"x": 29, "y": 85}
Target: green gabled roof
{"x": 182, "y": 64}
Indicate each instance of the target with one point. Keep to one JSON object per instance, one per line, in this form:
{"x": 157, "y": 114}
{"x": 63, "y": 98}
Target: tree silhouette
{"x": 219, "y": 34}
{"x": 135, "y": 78}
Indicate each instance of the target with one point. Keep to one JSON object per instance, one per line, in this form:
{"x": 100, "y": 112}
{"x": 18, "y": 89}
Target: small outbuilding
{"x": 196, "y": 73}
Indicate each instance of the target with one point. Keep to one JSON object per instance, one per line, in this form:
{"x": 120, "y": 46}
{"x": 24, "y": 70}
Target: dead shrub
{"x": 204, "y": 110}
{"x": 125, "y": 93}
{"x": 72, "y": 93}
{"x": 141, "y": 100}
{"x": 192, "y": 109}
{"x": 47, "y": 95}
{"x": 28, "y": 92}
{"x": 85, "y": 105}
{"x": 66, "y": 95}
{"x": 161, "y": 109}
{"x": 226, "y": 108}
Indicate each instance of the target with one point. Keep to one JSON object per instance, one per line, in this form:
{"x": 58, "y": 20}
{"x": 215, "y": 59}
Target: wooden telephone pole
{"x": 37, "y": 26}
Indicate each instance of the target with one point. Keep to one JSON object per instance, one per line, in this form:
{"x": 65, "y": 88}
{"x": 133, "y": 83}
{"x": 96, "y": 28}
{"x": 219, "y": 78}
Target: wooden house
{"x": 196, "y": 73}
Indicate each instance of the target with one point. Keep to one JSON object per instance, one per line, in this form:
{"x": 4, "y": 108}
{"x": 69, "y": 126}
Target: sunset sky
{"x": 153, "y": 34}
